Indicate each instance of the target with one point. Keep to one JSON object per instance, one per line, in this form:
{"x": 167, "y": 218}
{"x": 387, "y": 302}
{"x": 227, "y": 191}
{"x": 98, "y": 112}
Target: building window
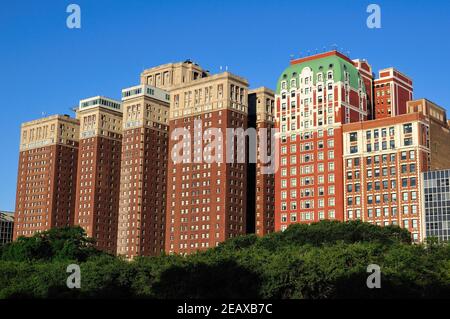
{"x": 407, "y": 128}
{"x": 404, "y": 182}
{"x": 408, "y": 141}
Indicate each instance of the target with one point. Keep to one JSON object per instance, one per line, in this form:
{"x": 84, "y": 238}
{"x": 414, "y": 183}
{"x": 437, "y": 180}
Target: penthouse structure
{"x": 206, "y": 201}
{"x": 315, "y": 96}
{"x": 46, "y": 181}
{"x": 142, "y": 199}
{"x": 98, "y": 178}
{"x": 168, "y": 75}
{"x": 392, "y": 90}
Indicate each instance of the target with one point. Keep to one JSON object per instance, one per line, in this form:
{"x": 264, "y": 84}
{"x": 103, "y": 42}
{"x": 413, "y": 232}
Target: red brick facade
{"x": 206, "y": 203}
{"x": 47, "y": 173}
{"x": 392, "y": 90}
{"x": 98, "y": 185}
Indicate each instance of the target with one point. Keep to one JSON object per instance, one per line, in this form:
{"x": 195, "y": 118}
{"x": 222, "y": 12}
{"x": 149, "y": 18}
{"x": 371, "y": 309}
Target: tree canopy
{"x": 322, "y": 260}
{"x": 69, "y": 243}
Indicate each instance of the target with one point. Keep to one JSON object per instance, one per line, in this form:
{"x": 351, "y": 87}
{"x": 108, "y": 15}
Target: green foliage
{"x": 323, "y": 260}
{"x": 331, "y": 232}
{"x": 70, "y": 243}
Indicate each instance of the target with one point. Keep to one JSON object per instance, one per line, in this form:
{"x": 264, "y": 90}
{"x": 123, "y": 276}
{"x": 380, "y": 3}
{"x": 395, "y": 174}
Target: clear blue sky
{"x": 46, "y": 67}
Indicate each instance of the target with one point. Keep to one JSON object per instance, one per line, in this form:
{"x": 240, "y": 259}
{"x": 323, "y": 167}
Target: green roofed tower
{"x": 315, "y": 96}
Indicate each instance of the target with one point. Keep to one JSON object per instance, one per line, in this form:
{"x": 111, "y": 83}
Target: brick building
{"x": 349, "y": 147}
{"x": 46, "y": 182}
{"x": 98, "y": 178}
{"x": 142, "y": 199}
{"x": 206, "y": 201}
{"x": 439, "y": 131}
{"x": 261, "y": 207}
{"x": 384, "y": 160}
{"x": 315, "y": 96}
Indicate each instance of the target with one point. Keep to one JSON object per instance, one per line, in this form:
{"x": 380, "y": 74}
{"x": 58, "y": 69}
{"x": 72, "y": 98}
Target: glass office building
{"x": 437, "y": 204}
{"x": 6, "y": 227}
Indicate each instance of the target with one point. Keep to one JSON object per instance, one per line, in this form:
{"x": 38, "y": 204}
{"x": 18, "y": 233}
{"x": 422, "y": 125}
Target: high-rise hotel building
{"x": 142, "y": 199}
{"x": 98, "y": 178}
{"x": 315, "y": 96}
{"x": 206, "y": 202}
{"x": 261, "y": 115}
{"x": 384, "y": 160}
{"x": 46, "y": 181}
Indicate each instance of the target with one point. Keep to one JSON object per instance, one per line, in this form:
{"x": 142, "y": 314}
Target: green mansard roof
{"x": 324, "y": 62}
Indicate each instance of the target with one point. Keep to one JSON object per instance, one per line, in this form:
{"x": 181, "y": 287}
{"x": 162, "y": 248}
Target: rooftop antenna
{"x": 317, "y": 51}
{"x": 348, "y": 53}
{"x": 291, "y": 56}
{"x": 324, "y": 49}
{"x": 334, "y": 47}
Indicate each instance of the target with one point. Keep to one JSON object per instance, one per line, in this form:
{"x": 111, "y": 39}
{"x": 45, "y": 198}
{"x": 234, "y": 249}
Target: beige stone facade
{"x": 218, "y": 92}
{"x": 100, "y": 116}
{"x": 168, "y": 75}
{"x": 56, "y": 129}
